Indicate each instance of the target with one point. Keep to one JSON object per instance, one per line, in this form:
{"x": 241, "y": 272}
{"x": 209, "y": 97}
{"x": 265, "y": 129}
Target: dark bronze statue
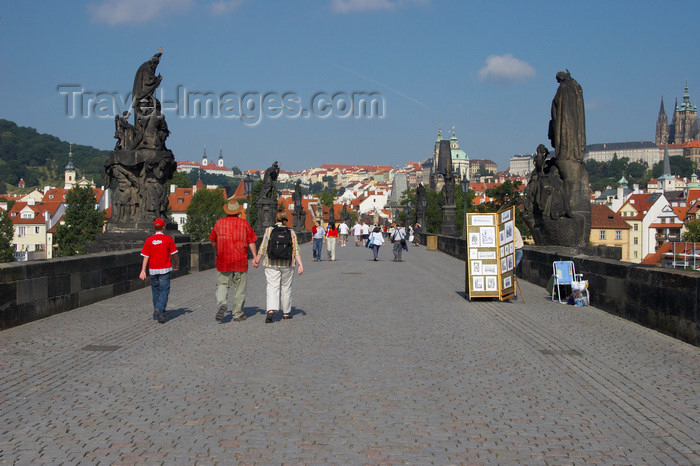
{"x": 448, "y": 189}
{"x": 557, "y": 206}
{"x": 297, "y": 198}
{"x": 268, "y": 184}
{"x": 140, "y": 164}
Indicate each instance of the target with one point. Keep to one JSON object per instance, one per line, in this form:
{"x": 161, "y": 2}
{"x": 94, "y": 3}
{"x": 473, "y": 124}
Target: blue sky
{"x": 485, "y": 67}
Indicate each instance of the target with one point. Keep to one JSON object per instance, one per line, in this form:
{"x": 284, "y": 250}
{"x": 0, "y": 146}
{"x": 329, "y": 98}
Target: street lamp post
{"x": 464, "y": 183}
{"x": 248, "y": 186}
{"x": 408, "y": 215}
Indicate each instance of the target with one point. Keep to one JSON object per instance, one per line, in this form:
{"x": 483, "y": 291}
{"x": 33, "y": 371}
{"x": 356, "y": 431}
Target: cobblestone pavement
{"x": 383, "y": 362}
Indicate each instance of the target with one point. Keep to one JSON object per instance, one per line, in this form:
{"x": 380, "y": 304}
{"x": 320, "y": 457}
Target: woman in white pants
{"x": 279, "y": 272}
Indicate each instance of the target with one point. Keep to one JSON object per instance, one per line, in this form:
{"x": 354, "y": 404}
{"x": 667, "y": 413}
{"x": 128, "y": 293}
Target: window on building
{"x": 635, "y": 254}
{"x": 37, "y": 230}
{"x": 27, "y": 215}
{"x": 636, "y": 240}
{"x": 21, "y": 231}
{"x": 618, "y": 235}
{"x": 183, "y": 220}
{"x": 602, "y": 234}
{"x": 636, "y": 227}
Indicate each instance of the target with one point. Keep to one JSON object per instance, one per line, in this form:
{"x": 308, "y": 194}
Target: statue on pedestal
{"x": 140, "y": 165}
{"x": 557, "y": 206}
{"x": 267, "y": 201}
{"x": 299, "y": 215}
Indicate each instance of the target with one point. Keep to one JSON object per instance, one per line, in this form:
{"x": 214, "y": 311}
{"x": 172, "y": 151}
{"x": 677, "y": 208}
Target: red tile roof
{"x": 602, "y": 217}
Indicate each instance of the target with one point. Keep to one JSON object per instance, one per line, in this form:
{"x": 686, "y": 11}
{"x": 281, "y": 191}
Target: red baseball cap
{"x": 158, "y": 223}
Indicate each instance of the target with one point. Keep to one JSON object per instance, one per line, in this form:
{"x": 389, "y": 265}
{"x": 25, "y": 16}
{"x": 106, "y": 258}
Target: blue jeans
{"x": 160, "y": 287}
{"x": 318, "y": 244}
{"x": 518, "y": 256}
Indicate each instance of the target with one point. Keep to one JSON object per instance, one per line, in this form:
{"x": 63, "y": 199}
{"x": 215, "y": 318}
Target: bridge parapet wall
{"x": 36, "y": 289}
{"x": 666, "y": 300}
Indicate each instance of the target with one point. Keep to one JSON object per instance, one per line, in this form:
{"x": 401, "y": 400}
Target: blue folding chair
{"x": 565, "y": 275}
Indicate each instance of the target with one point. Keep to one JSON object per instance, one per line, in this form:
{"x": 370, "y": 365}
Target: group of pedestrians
{"x": 231, "y": 237}
{"x": 332, "y": 236}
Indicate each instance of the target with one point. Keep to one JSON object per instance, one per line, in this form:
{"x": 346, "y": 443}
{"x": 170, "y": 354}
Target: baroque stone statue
{"x": 269, "y": 179}
{"x": 557, "y": 206}
{"x": 140, "y": 164}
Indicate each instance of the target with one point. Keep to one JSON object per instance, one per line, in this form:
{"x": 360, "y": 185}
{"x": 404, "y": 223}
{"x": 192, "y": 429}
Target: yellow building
{"x": 609, "y": 229}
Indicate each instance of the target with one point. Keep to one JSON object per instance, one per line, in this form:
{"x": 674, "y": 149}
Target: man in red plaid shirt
{"x": 231, "y": 237}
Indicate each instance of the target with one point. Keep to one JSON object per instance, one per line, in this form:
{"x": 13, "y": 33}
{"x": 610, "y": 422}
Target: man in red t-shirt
{"x": 231, "y": 237}
{"x": 160, "y": 255}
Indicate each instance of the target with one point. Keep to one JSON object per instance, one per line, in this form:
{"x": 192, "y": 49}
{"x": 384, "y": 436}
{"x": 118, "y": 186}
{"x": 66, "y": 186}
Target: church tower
{"x": 69, "y": 174}
{"x": 662, "y": 126}
{"x": 220, "y": 162}
{"x": 205, "y": 162}
{"x": 433, "y": 169}
{"x": 684, "y": 119}
{"x": 684, "y": 125}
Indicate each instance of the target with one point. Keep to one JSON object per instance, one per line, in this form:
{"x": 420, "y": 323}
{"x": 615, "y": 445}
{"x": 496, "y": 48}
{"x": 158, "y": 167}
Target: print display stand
{"x": 490, "y": 262}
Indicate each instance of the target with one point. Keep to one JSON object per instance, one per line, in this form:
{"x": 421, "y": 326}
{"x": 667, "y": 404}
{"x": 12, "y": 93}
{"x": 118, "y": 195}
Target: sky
{"x": 286, "y": 79}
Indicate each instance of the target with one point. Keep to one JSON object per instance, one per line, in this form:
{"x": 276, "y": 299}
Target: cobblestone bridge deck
{"x": 383, "y": 363}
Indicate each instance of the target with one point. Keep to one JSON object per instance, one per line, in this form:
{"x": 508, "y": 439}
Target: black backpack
{"x": 280, "y": 243}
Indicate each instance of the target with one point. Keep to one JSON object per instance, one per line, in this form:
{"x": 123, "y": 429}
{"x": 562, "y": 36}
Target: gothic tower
{"x": 662, "y": 126}
{"x": 684, "y": 119}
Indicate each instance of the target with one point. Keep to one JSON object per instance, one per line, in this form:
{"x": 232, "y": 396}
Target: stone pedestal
{"x": 449, "y": 228}
{"x": 299, "y": 219}
{"x": 121, "y": 238}
{"x": 266, "y": 214}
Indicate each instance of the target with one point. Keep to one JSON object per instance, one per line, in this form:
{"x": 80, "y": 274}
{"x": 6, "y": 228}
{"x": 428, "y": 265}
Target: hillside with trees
{"x": 41, "y": 158}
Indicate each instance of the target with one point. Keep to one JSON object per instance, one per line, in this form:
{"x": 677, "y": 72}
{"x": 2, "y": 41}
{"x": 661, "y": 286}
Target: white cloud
{"x": 505, "y": 68}
{"x": 114, "y": 12}
{"x": 353, "y": 6}
{"x": 223, "y": 7}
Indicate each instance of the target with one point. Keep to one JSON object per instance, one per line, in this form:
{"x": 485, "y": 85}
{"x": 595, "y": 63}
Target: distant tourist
{"x": 398, "y": 238}
{"x": 160, "y": 255}
{"x": 279, "y": 252}
{"x": 319, "y": 237}
{"x": 231, "y": 238}
{"x": 331, "y": 241}
{"x": 376, "y": 240}
{"x": 357, "y": 232}
{"x": 343, "y": 231}
{"x": 365, "y": 233}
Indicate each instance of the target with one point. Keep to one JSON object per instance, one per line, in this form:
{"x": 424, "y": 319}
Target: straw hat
{"x": 233, "y": 207}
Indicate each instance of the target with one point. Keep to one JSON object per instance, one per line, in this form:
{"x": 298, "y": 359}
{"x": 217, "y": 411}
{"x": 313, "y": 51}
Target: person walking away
{"x": 232, "y": 237}
{"x": 376, "y": 238}
{"x": 416, "y": 234}
{"x": 160, "y": 256}
{"x": 357, "y": 233}
{"x": 319, "y": 237}
{"x": 343, "y": 231}
{"x": 279, "y": 252}
{"x": 398, "y": 238}
{"x": 331, "y": 241}
{"x": 365, "y": 233}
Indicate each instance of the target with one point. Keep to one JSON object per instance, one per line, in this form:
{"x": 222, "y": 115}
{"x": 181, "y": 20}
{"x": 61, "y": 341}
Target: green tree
{"x": 680, "y": 166}
{"x": 83, "y": 222}
{"x": 7, "y": 232}
{"x": 180, "y": 179}
{"x": 204, "y": 210}
{"x": 693, "y": 233}
{"x": 327, "y": 197}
